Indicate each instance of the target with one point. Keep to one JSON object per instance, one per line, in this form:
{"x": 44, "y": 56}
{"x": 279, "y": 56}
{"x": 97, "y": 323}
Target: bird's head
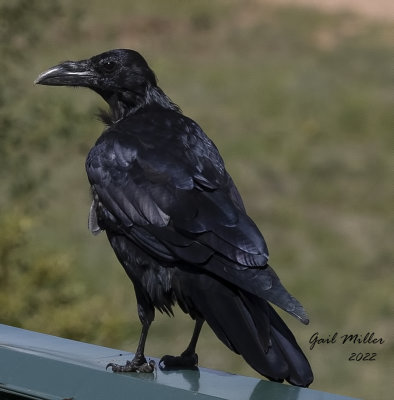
{"x": 119, "y": 76}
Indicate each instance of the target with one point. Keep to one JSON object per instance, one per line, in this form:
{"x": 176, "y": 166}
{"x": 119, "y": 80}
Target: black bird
{"x": 177, "y": 222}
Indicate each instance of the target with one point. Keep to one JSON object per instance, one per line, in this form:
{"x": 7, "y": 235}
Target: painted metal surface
{"x": 38, "y": 366}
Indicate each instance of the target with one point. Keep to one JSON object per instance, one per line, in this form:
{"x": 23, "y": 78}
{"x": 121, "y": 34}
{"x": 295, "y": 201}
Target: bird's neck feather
{"x": 123, "y": 104}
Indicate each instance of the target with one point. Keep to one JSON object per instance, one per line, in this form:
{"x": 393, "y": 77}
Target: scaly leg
{"x": 139, "y": 362}
{"x": 189, "y": 358}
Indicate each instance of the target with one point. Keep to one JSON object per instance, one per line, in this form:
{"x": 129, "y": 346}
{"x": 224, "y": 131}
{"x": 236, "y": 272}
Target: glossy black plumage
{"x": 176, "y": 220}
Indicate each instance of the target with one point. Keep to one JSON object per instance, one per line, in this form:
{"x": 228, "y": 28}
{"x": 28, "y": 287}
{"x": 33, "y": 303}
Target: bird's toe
{"x": 132, "y": 366}
{"x": 182, "y": 361}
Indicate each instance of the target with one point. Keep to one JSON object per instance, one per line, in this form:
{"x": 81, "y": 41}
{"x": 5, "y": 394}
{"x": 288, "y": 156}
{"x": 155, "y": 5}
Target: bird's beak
{"x": 69, "y": 73}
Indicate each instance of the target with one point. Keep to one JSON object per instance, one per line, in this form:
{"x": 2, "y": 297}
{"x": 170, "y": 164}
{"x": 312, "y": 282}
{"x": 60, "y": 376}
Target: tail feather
{"x": 262, "y": 282}
{"x": 249, "y": 326}
{"x": 300, "y": 372}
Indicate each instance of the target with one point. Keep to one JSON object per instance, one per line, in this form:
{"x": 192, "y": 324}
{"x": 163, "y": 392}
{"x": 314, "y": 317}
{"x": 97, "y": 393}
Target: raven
{"x": 177, "y": 223}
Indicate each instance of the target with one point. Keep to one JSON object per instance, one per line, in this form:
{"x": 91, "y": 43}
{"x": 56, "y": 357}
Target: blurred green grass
{"x": 298, "y": 102}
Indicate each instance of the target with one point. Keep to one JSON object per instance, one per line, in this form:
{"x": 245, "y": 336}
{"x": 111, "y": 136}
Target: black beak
{"x": 69, "y": 73}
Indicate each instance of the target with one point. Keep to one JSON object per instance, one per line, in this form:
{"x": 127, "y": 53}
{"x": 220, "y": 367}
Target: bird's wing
{"x": 163, "y": 184}
{"x": 167, "y": 187}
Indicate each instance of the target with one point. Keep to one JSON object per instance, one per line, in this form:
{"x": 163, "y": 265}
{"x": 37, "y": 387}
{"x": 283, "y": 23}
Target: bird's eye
{"x": 108, "y": 66}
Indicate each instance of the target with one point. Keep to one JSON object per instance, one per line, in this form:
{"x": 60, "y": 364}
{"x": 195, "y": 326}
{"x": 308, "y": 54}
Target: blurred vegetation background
{"x": 297, "y": 100}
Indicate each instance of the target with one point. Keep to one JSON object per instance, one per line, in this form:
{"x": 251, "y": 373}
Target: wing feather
{"x": 170, "y": 186}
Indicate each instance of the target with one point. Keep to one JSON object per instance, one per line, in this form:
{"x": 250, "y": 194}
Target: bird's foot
{"x": 140, "y": 365}
{"x": 185, "y": 360}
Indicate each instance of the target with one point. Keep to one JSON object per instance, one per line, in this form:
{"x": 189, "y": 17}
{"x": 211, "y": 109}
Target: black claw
{"x": 119, "y": 368}
{"x": 147, "y": 367}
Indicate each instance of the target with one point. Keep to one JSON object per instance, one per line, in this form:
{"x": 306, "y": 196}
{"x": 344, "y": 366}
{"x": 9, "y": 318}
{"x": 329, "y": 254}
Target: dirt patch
{"x": 377, "y": 9}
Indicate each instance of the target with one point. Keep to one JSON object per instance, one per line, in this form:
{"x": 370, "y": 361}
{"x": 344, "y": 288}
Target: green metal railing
{"x": 38, "y": 366}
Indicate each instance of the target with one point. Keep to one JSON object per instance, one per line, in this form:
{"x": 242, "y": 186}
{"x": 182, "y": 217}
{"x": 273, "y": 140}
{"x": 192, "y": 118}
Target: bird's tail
{"x": 283, "y": 355}
{"x": 249, "y": 326}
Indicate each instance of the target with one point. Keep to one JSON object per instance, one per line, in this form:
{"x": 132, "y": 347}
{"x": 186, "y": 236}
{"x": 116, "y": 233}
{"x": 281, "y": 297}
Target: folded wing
{"x": 167, "y": 190}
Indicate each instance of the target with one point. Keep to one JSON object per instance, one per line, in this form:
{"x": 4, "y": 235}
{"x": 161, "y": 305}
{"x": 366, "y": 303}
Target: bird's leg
{"x": 139, "y": 362}
{"x": 189, "y": 358}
